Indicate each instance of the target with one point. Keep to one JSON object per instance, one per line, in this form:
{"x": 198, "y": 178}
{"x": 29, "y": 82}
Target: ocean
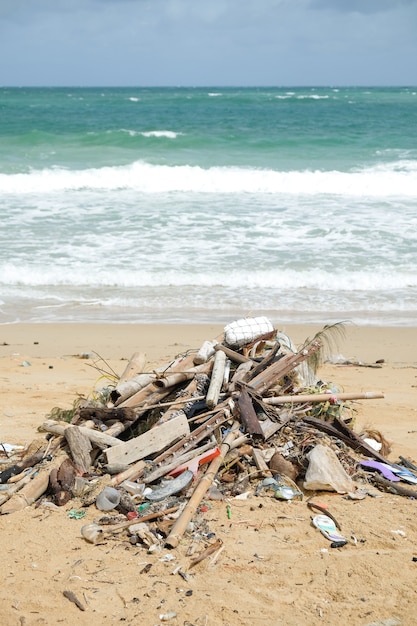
{"x": 197, "y": 205}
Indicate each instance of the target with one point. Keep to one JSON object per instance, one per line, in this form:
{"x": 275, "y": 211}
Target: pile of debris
{"x": 241, "y": 415}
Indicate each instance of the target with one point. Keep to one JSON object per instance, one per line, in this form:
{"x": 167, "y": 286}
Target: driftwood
{"x": 240, "y": 375}
{"x": 101, "y": 440}
{"x": 104, "y": 414}
{"x": 32, "y": 490}
{"x": 132, "y": 473}
{"x": 260, "y": 462}
{"x": 395, "y": 488}
{"x": 80, "y": 447}
{"x": 6, "y": 495}
{"x": 129, "y": 393}
{"x": 135, "y": 366}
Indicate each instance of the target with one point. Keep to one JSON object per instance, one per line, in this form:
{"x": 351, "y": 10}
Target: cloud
{"x": 365, "y": 7}
{"x": 208, "y": 41}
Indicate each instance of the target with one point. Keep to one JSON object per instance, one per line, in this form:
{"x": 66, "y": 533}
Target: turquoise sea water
{"x": 176, "y": 205}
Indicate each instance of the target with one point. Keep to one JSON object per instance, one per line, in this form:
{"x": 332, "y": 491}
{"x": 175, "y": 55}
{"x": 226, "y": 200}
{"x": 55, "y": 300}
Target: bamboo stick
{"x": 164, "y": 469}
{"x": 178, "y": 377}
{"x": 173, "y": 379}
{"x": 206, "y": 481}
{"x": 132, "y": 389}
{"x": 323, "y": 397}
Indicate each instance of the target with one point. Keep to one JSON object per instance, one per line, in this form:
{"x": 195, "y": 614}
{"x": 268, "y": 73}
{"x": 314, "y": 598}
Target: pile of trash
{"x": 244, "y": 415}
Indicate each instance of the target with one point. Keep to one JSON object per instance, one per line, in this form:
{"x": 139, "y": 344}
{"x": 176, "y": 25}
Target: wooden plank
{"x": 154, "y": 440}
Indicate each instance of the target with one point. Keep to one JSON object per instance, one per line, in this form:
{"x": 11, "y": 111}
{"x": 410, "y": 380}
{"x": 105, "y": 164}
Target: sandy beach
{"x": 275, "y": 568}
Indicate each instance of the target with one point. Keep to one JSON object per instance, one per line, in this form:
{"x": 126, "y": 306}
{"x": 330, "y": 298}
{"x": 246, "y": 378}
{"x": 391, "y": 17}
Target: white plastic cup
{"x": 108, "y": 499}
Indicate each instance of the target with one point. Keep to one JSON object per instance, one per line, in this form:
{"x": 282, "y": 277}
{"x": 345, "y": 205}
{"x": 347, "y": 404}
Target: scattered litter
{"x": 238, "y": 417}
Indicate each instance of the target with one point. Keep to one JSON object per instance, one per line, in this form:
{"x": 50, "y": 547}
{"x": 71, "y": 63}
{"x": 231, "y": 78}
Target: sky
{"x": 208, "y": 42}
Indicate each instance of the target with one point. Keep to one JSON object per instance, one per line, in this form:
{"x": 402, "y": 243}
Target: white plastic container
{"x": 108, "y": 499}
{"x": 246, "y": 330}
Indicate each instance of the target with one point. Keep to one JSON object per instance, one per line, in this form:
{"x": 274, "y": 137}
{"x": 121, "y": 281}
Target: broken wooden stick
{"x": 203, "y": 485}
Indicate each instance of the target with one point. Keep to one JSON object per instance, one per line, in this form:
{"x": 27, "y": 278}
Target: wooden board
{"x": 154, "y": 440}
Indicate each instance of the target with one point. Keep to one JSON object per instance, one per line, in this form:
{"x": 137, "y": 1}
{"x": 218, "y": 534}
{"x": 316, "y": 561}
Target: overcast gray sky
{"x": 208, "y": 42}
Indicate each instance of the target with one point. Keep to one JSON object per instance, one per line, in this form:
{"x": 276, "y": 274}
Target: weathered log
{"x": 148, "y": 395}
{"x": 322, "y": 397}
{"x": 80, "y": 447}
{"x": 135, "y": 366}
{"x": 153, "y": 440}
{"x": 133, "y": 387}
{"x": 216, "y": 381}
{"x": 203, "y": 485}
{"x": 32, "y": 490}
{"x": 105, "y": 414}
{"x": 101, "y": 440}
{"x": 248, "y": 415}
{"x": 6, "y": 495}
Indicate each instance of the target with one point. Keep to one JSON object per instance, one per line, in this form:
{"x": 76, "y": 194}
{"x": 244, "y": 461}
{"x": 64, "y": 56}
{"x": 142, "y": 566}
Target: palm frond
{"x": 328, "y": 337}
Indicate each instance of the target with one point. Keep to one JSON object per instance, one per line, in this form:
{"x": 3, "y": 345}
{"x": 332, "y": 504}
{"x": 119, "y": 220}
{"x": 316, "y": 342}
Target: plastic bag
{"x": 246, "y": 330}
{"x": 325, "y": 472}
